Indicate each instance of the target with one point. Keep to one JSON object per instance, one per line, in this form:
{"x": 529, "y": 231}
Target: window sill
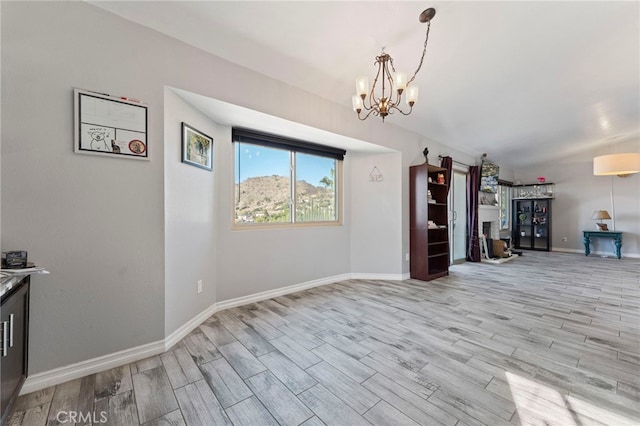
{"x": 263, "y": 226}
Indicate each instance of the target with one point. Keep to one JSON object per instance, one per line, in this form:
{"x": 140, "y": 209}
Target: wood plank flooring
{"x": 549, "y": 339}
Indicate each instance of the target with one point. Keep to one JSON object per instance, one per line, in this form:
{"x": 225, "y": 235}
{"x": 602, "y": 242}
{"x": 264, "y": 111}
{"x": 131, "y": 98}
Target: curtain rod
{"x": 459, "y": 162}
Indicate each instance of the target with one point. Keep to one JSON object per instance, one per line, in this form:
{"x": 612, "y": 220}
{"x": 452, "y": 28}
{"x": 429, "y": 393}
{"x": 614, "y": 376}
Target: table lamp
{"x": 601, "y": 215}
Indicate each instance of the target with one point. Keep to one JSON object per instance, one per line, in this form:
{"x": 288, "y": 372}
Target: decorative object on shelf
{"x": 393, "y": 83}
{"x": 14, "y": 259}
{"x": 441, "y": 178}
{"x": 522, "y": 217}
{"x": 539, "y": 190}
{"x": 601, "y": 215}
{"x": 114, "y": 126}
{"x": 430, "y": 197}
{"x": 426, "y": 155}
{"x": 621, "y": 165}
{"x": 542, "y": 179}
{"x": 375, "y": 175}
{"x": 197, "y": 148}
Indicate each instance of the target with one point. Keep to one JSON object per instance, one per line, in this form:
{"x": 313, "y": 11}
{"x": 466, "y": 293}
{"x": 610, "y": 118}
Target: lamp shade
{"x": 600, "y": 214}
{"x": 412, "y": 94}
{"x": 362, "y": 86}
{"x": 401, "y": 80}
{"x": 617, "y": 164}
{"x": 357, "y": 103}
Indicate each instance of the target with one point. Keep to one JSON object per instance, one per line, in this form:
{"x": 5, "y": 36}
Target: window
{"x": 279, "y": 180}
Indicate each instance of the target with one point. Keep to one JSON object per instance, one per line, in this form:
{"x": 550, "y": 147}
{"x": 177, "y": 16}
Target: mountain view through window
{"x": 263, "y": 186}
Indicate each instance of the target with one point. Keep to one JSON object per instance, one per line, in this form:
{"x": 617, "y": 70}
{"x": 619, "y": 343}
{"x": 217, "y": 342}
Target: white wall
{"x": 191, "y": 210}
{"x": 95, "y": 223}
{"x": 578, "y": 194}
{"x": 376, "y": 207}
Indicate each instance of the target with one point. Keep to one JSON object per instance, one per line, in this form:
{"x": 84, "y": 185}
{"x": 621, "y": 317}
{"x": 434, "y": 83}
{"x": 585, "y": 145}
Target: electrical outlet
{"x": 406, "y": 257}
{"x": 199, "y": 286}
{"x": 565, "y": 239}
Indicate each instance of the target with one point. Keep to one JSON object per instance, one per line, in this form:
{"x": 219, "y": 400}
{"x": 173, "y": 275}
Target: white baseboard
{"x": 269, "y": 294}
{"x": 597, "y": 253}
{"x": 45, "y": 379}
{"x": 189, "y": 326}
{"x": 38, "y": 381}
{"x": 383, "y": 277}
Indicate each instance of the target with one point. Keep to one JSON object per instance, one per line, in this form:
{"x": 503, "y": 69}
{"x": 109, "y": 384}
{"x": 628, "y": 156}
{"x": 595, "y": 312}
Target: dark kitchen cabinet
{"x": 14, "y": 336}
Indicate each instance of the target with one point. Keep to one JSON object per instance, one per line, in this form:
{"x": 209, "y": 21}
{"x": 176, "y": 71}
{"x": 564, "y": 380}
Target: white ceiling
{"x": 522, "y": 81}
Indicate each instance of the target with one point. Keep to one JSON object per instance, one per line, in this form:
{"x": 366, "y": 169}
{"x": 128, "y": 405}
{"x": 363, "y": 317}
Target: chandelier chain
{"x": 424, "y": 51}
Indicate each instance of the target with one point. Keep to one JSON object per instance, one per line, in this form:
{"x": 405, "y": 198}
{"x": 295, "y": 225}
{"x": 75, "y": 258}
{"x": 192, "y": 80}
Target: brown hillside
{"x": 270, "y": 195}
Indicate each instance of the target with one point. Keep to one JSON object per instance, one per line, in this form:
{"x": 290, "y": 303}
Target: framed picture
{"x": 197, "y": 148}
{"x": 109, "y": 126}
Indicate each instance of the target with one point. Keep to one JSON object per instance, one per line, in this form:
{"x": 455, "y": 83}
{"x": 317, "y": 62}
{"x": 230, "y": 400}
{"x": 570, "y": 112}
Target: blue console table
{"x": 615, "y": 235}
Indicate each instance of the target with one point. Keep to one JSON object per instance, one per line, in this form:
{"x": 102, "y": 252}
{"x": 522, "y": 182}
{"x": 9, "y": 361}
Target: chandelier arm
{"x": 371, "y": 110}
{"x": 372, "y": 98}
{"x": 385, "y": 78}
{"x": 424, "y": 51}
{"x": 401, "y": 111}
{"x": 367, "y": 108}
{"x": 389, "y": 78}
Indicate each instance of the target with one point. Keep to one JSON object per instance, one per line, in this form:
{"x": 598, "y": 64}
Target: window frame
{"x": 293, "y": 146}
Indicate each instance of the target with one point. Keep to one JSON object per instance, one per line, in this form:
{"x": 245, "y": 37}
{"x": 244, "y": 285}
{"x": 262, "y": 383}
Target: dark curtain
{"x": 473, "y": 242}
{"x": 447, "y": 163}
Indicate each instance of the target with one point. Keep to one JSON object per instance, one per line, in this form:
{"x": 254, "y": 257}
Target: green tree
{"x": 327, "y": 181}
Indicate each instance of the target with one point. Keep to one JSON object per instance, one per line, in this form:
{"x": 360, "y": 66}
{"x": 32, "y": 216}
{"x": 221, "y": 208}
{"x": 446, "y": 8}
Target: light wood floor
{"x": 549, "y": 338}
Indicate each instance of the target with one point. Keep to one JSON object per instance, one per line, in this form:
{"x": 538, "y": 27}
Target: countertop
{"x": 9, "y": 280}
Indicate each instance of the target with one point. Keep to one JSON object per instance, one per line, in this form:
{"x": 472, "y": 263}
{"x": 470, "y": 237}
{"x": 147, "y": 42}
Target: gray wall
{"x": 377, "y": 214}
{"x": 95, "y": 223}
{"x": 99, "y": 224}
{"x": 579, "y": 193}
{"x": 191, "y": 210}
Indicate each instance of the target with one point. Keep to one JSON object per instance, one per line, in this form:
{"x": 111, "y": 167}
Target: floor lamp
{"x": 621, "y": 165}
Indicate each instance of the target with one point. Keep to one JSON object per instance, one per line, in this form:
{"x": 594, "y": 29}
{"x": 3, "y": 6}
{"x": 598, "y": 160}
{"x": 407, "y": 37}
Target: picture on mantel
{"x": 489, "y": 177}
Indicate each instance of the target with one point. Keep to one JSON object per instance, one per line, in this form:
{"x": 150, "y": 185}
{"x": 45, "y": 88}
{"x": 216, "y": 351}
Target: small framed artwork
{"x": 110, "y": 126}
{"x": 197, "y": 148}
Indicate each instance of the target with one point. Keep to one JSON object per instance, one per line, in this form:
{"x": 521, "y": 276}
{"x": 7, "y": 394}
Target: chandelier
{"x": 386, "y": 100}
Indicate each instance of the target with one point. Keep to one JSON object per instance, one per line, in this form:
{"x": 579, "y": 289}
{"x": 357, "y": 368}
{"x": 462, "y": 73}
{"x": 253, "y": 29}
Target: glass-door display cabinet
{"x": 531, "y": 223}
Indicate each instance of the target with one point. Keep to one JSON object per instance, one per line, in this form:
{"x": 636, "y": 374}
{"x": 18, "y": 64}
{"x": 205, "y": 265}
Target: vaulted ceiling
{"x": 522, "y": 81}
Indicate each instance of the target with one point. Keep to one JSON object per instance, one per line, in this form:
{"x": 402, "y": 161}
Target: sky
{"x": 257, "y": 160}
